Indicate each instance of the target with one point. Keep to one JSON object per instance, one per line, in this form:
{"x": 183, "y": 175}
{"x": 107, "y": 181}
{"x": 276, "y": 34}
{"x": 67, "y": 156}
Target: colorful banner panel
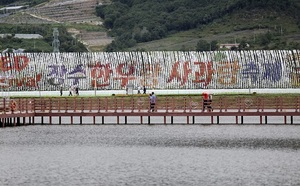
{"x": 155, "y": 70}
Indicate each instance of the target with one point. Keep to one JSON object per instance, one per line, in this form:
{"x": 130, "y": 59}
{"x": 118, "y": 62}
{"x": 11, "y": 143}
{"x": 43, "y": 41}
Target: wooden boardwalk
{"x": 65, "y": 110}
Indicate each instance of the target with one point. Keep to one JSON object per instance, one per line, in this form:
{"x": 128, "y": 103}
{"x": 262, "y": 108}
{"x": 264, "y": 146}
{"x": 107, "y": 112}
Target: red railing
{"x": 141, "y": 104}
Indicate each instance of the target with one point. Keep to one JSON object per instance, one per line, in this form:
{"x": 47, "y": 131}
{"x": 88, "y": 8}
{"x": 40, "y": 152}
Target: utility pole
{"x": 55, "y": 43}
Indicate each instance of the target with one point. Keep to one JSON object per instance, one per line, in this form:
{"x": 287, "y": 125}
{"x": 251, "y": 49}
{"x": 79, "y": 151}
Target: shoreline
{"x": 156, "y": 91}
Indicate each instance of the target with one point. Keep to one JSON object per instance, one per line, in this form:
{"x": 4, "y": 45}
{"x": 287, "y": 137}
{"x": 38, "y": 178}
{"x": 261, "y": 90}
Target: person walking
{"x": 61, "y": 90}
{"x": 207, "y": 102}
{"x": 77, "y": 91}
{"x": 152, "y": 102}
{"x": 70, "y": 91}
{"x": 144, "y": 90}
{"x": 139, "y": 89}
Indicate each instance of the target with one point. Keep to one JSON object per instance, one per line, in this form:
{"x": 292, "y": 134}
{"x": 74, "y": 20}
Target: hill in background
{"x": 154, "y": 25}
{"x": 76, "y": 20}
{"x": 182, "y": 24}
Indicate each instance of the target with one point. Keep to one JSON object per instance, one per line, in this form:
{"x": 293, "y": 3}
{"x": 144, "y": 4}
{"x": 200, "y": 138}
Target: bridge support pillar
{"x": 266, "y": 120}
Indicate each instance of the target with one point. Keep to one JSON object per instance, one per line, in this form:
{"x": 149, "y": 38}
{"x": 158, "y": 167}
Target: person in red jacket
{"x": 207, "y": 101}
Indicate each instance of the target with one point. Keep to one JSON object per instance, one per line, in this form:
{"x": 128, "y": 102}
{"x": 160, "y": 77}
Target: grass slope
{"x": 241, "y": 25}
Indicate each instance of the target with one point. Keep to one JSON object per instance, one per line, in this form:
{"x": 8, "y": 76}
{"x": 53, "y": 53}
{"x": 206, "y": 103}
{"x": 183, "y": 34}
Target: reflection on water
{"x": 150, "y": 155}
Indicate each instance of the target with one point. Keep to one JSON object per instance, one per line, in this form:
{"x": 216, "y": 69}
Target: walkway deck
{"x": 83, "y": 110}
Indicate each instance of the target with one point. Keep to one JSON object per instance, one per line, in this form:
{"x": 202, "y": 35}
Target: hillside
{"x": 163, "y": 25}
{"x": 267, "y": 24}
{"x": 78, "y": 16}
{"x": 235, "y": 28}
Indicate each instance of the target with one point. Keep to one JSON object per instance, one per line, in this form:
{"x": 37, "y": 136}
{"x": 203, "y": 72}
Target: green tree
{"x": 214, "y": 45}
{"x": 242, "y": 45}
{"x": 203, "y": 45}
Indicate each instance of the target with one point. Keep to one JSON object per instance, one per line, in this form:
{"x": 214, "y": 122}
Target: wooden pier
{"x": 65, "y": 110}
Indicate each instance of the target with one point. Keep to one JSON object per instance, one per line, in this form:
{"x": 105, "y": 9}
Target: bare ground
{"x": 65, "y": 12}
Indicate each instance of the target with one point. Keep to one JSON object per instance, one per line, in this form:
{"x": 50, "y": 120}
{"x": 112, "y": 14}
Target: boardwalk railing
{"x": 189, "y": 106}
{"x": 165, "y": 104}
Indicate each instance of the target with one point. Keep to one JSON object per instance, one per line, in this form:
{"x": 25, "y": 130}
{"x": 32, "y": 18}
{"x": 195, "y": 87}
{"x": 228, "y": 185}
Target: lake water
{"x": 150, "y": 155}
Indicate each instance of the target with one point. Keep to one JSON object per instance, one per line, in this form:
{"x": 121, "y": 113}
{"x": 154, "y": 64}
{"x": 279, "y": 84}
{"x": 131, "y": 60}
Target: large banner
{"x": 155, "y": 70}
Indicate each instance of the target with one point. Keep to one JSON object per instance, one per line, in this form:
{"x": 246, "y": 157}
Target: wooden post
{"x": 262, "y": 104}
{"x": 184, "y": 101}
{"x": 190, "y": 103}
{"x": 225, "y": 104}
{"x": 240, "y": 103}
{"x": 116, "y": 107}
{"x": 74, "y": 100}
{"x": 167, "y": 104}
{"x": 50, "y": 105}
{"x": 91, "y": 104}
{"x": 58, "y": 104}
{"x": 244, "y": 104}
{"x": 82, "y": 105}
{"x": 99, "y": 105}
{"x": 258, "y": 104}
{"x": 260, "y": 119}
{"x": 221, "y": 104}
{"x": 139, "y": 104}
{"x": 173, "y": 102}
{"x": 27, "y": 105}
{"x": 106, "y": 104}
{"x": 66, "y": 104}
{"x": 298, "y": 103}
{"x": 281, "y": 104}
{"x": 133, "y": 105}
{"x": 277, "y": 104}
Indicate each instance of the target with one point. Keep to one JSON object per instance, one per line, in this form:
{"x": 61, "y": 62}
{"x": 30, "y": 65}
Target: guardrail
{"x": 189, "y": 106}
{"x": 164, "y": 104}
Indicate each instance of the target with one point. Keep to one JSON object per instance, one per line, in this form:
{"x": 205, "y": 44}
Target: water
{"x": 150, "y": 155}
